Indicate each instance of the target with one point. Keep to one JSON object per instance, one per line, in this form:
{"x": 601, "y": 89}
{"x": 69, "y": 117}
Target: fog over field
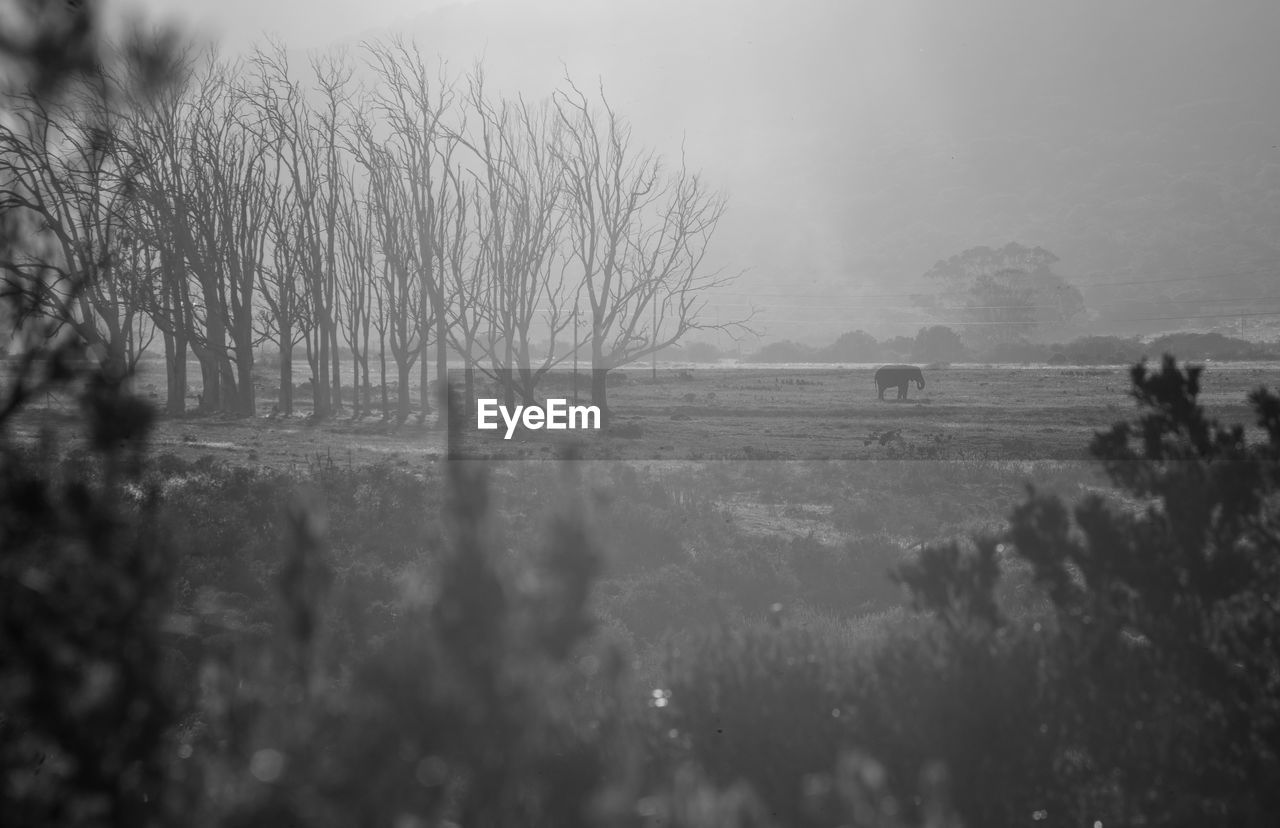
{"x": 617, "y": 414}
{"x": 861, "y": 142}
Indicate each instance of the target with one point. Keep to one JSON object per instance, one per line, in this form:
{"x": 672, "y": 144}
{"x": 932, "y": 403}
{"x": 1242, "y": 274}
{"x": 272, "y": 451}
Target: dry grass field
{"x": 785, "y": 452}
{"x": 719, "y": 413}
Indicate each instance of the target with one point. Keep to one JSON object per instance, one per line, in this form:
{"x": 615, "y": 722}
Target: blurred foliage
{"x": 86, "y": 696}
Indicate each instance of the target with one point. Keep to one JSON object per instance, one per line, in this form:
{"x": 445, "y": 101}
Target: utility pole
{"x": 575, "y": 351}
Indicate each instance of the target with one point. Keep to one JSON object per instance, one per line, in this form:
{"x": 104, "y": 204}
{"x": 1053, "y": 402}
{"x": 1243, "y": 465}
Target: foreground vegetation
{"x": 417, "y": 656}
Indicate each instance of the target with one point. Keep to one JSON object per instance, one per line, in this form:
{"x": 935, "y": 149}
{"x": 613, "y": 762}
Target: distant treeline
{"x": 942, "y": 344}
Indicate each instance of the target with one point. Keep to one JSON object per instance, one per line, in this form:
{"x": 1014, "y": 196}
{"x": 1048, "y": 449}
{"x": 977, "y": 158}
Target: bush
{"x": 1017, "y": 351}
{"x": 1210, "y": 346}
{"x": 702, "y": 352}
{"x": 939, "y": 344}
{"x": 1153, "y": 630}
{"x": 88, "y": 700}
{"x": 1102, "y": 350}
{"x": 855, "y": 346}
{"x": 785, "y": 351}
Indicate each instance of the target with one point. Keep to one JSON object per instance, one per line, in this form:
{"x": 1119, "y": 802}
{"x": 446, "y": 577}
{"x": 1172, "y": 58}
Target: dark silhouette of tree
{"x": 638, "y": 235}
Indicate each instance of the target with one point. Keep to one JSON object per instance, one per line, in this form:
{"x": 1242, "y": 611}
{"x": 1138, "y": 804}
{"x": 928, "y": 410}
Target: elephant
{"x": 899, "y": 375}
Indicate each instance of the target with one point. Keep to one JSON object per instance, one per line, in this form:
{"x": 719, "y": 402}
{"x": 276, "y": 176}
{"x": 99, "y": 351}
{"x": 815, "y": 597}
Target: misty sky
{"x": 859, "y": 142}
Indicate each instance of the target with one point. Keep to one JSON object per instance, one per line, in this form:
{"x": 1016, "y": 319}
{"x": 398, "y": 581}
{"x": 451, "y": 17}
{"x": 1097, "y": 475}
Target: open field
{"x": 783, "y": 453}
{"x": 708, "y": 413}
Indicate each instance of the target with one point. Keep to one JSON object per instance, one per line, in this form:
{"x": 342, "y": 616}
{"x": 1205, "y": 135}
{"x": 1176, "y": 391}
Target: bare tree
{"x": 520, "y": 219}
{"x": 413, "y": 104}
{"x": 380, "y": 319}
{"x": 238, "y": 198}
{"x": 155, "y": 137}
{"x": 400, "y": 289}
{"x": 463, "y": 271}
{"x": 62, "y": 186}
{"x": 355, "y": 286}
{"x": 638, "y": 236}
{"x": 202, "y": 196}
{"x": 285, "y": 316}
{"x": 307, "y": 142}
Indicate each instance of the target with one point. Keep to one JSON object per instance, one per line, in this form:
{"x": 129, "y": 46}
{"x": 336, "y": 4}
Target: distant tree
{"x": 853, "y": 346}
{"x": 520, "y": 220}
{"x": 784, "y": 351}
{"x": 356, "y": 277}
{"x": 304, "y": 143}
{"x": 1103, "y": 350}
{"x": 702, "y": 352}
{"x": 1016, "y": 351}
{"x": 63, "y": 196}
{"x": 638, "y": 236}
{"x": 939, "y": 344}
{"x": 397, "y": 294}
{"x": 1000, "y": 294}
{"x": 414, "y": 102}
{"x": 1210, "y": 346}
{"x": 899, "y": 347}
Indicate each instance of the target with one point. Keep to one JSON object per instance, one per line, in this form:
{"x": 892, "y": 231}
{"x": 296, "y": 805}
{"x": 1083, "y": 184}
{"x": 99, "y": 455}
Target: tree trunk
{"x": 230, "y": 392}
{"x": 469, "y": 379}
{"x": 210, "y": 380}
{"x": 442, "y": 361}
{"x": 424, "y": 372}
{"x": 285, "y": 401}
{"x": 355, "y": 383}
{"x": 382, "y": 372}
{"x": 175, "y": 363}
{"x": 599, "y": 388}
{"x": 337, "y": 367}
{"x": 320, "y": 371}
{"x": 508, "y": 379}
{"x": 367, "y": 405}
{"x": 247, "y": 403}
{"x": 405, "y": 369}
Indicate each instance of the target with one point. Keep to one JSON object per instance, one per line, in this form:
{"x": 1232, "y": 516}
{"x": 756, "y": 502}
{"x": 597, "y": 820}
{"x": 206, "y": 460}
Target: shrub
{"x": 1162, "y": 704}
{"x": 1210, "y": 346}
{"x": 939, "y": 344}
{"x": 87, "y": 697}
{"x": 785, "y": 351}
{"x": 854, "y": 346}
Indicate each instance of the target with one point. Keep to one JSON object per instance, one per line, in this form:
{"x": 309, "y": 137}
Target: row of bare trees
{"x": 369, "y": 212}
